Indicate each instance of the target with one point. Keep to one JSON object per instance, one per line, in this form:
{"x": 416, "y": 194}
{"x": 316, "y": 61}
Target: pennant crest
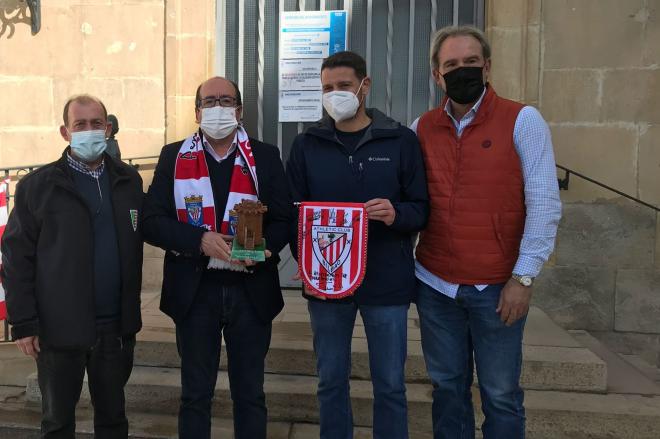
{"x": 194, "y": 209}
{"x": 332, "y": 247}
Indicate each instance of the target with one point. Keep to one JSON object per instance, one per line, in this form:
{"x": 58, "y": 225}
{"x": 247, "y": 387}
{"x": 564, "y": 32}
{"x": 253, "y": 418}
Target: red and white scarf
{"x": 3, "y": 222}
{"x": 193, "y": 194}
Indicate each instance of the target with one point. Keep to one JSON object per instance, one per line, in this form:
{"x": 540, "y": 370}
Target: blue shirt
{"x": 533, "y": 143}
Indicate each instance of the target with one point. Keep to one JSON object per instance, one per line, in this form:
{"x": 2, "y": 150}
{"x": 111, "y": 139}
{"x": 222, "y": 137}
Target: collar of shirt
{"x": 215, "y": 155}
{"x": 469, "y": 116}
{"x": 82, "y": 167}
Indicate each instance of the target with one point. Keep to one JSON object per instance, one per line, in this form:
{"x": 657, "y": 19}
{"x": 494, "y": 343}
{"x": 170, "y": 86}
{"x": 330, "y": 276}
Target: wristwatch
{"x": 525, "y": 281}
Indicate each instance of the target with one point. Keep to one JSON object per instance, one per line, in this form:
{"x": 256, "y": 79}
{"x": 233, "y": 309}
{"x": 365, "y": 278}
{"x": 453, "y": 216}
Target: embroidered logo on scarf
{"x": 193, "y": 193}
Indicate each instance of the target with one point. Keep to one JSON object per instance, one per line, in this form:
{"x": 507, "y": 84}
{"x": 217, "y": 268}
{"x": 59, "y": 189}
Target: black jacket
{"x": 47, "y": 255}
{"x": 387, "y": 163}
{"x": 184, "y": 264}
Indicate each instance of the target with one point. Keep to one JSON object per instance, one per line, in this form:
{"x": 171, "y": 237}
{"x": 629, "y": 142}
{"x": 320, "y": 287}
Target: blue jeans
{"x": 448, "y": 326}
{"x": 387, "y": 330}
{"x": 219, "y": 309}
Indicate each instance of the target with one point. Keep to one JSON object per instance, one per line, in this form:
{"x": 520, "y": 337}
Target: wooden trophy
{"x": 249, "y": 242}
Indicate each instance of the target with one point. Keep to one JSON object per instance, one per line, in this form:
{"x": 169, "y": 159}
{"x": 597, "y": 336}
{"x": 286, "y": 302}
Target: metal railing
{"x": 563, "y": 185}
{"x": 15, "y": 173}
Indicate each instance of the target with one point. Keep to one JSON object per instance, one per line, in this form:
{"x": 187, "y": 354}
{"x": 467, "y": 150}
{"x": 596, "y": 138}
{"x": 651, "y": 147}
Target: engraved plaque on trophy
{"x": 249, "y": 242}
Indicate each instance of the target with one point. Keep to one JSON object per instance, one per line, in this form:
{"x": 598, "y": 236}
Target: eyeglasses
{"x": 223, "y": 101}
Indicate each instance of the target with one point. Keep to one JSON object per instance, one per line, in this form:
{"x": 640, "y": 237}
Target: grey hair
{"x": 456, "y": 31}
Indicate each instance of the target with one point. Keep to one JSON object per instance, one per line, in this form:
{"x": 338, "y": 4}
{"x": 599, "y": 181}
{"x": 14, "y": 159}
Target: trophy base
{"x": 240, "y": 253}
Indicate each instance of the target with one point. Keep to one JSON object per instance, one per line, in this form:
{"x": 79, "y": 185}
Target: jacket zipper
{"x": 91, "y": 245}
{"x": 452, "y": 197}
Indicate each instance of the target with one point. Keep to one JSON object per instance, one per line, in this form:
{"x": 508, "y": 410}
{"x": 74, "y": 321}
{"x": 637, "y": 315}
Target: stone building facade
{"x": 591, "y": 66}
{"x": 593, "y": 69}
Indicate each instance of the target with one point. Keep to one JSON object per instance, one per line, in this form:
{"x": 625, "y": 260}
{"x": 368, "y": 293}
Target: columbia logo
{"x": 379, "y": 159}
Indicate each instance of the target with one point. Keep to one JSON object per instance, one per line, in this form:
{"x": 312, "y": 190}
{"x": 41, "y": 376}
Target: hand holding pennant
{"x": 332, "y": 247}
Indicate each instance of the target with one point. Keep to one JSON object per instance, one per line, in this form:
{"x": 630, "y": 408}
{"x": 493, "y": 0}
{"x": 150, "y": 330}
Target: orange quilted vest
{"x": 477, "y": 194}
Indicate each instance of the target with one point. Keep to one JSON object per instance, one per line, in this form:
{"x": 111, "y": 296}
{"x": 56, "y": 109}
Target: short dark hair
{"x": 198, "y": 93}
{"x": 346, "y": 59}
{"x": 82, "y": 99}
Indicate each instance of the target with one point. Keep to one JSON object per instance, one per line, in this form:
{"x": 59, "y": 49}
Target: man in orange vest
{"x": 494, "y": 213}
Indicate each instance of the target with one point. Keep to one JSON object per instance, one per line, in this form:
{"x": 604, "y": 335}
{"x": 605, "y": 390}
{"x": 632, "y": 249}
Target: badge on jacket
{"x": 134, "y": 219}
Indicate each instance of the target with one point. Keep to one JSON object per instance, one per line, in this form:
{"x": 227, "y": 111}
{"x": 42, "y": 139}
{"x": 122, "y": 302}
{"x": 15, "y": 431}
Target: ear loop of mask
{"x": 358, "y": 91}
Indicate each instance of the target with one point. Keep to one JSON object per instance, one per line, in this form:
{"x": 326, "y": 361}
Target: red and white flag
{"x": 332, "y": 247}
{"x": 4, "y": 213}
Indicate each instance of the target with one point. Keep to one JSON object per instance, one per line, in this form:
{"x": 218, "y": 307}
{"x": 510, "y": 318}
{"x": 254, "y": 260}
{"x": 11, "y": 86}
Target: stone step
{"x": 647, "y": 369}
{"x": 292, "y": 399}
{"x": 622, "y": 377}
{"x": 21, "y": 421}
{"x": 552, "y": 359}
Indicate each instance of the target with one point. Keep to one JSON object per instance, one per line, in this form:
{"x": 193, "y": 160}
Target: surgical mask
{"x": 341, "y": 105}
{"x": 218, "y": 122}
{"x": 464, "y": 84}
{"x": 88, "y": 145}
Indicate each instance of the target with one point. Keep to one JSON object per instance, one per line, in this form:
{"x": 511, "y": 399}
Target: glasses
{"x": 223, "y": 101}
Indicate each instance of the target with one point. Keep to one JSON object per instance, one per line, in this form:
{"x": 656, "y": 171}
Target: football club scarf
{"x": 193, "y": 194}
{"x": 4, "y": 213}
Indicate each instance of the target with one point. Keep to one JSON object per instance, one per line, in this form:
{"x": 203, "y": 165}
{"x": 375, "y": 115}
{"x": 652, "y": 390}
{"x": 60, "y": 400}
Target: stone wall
{"x": 112, "y": 49}
{"x": 593, "y": 68}
{"x": 144, "y": 59}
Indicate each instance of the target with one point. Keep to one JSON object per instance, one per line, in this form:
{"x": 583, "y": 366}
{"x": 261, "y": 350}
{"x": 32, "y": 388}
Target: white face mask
{"x": 341, "y": 105}
{"x": 88, "y": 145}
{"x": 218, "y": 122}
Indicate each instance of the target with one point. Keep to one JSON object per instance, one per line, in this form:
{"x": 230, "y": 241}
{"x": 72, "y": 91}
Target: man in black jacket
{"x": 72, "y": 267}
{"x": 362, "y": 156}
{"x": 196, "y": 184}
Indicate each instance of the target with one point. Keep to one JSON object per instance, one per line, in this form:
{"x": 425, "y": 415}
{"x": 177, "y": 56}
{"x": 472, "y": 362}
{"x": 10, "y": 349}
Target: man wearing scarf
{"x": 196, "y": 183}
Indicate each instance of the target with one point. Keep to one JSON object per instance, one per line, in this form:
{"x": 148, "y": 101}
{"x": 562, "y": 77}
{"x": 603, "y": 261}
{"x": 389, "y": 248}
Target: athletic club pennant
{"x": 3, "y": 223}
{"x": 332, "y": 247}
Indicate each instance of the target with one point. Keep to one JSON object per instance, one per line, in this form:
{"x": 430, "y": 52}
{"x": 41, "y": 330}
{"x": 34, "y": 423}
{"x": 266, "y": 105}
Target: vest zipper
{"x": 459, "y": 152}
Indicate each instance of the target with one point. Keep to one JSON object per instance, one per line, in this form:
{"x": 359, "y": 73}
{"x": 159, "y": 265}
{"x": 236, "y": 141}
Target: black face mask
{"x": 464, "y": 84}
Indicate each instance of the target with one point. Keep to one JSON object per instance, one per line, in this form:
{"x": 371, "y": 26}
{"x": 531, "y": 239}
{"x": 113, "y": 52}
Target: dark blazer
{"x": 47, "y": 255}
{"x": 184, "y": 264}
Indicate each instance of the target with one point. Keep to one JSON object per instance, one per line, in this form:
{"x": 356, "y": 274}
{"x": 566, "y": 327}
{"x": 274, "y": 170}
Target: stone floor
{"x": 568, "y": 388}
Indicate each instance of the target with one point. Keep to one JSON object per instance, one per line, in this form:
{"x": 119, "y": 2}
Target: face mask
{"x": 88, "y": 145}
{"x": 218, "y": 122}
{"x": 341, "y": 105}
{"x": 464, "y": 84}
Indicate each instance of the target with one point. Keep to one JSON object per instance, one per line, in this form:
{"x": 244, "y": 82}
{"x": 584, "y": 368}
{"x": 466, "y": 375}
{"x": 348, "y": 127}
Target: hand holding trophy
{"x": 249, "y": 243}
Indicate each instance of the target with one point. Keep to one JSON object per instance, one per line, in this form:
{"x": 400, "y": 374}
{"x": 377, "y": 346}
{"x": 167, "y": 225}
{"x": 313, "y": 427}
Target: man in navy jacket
{"x": 360, "y": 155}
